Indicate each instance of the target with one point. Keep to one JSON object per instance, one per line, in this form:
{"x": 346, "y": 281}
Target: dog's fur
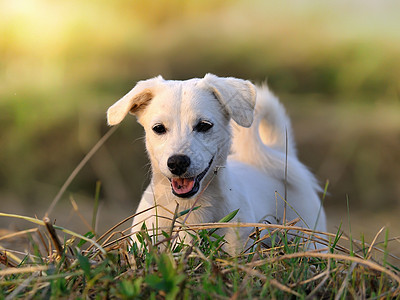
{"x": 244, "y": 155}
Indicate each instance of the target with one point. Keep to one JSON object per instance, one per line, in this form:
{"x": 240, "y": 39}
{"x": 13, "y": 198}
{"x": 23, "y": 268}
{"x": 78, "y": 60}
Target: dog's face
{"x": 187, "y": 125}
{"x": 187, "y": 134}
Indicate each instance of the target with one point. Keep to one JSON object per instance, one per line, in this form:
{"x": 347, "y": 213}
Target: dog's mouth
{"x": 188, "y": 187}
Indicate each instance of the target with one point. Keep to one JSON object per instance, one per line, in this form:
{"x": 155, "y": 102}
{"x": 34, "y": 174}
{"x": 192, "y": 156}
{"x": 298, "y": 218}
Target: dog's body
{"x": 210, "y": 142}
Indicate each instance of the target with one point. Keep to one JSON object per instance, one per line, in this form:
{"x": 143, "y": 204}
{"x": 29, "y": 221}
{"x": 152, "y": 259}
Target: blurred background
{"x": 335, "y": 66}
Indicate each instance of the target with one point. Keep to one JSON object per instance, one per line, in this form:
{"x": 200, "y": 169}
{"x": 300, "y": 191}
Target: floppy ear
{"x": 237, "y": 97}
{"x": 135, "y": 100}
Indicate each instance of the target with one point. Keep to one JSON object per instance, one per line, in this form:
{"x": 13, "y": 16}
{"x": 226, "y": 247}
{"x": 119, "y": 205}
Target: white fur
{"x": 250, "y": 154}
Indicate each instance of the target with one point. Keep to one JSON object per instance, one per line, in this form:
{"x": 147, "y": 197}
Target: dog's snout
{"x": 178, "y": 164}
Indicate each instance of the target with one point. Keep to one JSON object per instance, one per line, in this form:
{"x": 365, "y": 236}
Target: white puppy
{"x": 198, "y": 154}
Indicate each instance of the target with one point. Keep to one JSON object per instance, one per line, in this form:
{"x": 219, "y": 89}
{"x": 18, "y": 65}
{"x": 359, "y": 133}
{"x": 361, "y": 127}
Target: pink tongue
{"x": 182, "y": 185}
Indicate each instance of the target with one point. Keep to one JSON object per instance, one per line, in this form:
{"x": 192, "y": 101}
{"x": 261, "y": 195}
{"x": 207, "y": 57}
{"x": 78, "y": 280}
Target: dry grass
{"x": 109, "y": 267}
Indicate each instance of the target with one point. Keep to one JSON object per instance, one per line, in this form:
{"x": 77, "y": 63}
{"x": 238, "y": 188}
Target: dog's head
{"x": 187, "y": 124}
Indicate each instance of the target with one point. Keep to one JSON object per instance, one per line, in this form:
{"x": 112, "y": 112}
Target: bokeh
{"x": 335, "y": 65}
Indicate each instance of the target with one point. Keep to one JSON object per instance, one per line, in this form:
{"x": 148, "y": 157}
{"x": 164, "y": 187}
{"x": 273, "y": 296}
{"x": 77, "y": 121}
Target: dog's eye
{"x": 159, "y": 129}
{"x": 203, "y": 126}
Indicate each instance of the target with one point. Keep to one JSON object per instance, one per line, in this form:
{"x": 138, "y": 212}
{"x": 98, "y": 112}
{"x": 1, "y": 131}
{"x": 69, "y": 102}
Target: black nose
{"x": 178, "y": 164}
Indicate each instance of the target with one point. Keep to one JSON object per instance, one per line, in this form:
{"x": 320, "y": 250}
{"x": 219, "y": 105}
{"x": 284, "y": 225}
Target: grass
{"x": 83, "y": 266}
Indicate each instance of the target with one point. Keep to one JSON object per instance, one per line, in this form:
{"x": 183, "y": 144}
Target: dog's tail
{"x": 274, "y": 127}
{"x": 271, "y": 127}
{"x": 269, "y": 143}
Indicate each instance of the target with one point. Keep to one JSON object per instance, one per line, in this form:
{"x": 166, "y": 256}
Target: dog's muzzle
{"x": 188, "y": 187}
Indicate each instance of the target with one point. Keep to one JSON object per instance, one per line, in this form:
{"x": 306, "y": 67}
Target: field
{"x": 336, "y": 68}
{"x": 273, "y": 266}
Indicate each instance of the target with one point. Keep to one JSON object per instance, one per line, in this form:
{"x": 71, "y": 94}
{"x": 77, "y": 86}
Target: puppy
{"x": 221, "y": 144}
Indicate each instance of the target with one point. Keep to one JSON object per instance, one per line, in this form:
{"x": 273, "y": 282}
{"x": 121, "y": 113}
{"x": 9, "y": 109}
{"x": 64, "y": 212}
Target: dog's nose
{"x": 178, "y": 164}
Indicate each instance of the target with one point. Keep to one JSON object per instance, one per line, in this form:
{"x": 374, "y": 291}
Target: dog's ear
{"x": 132, "y": 102}
{"x": 237, "y": 97}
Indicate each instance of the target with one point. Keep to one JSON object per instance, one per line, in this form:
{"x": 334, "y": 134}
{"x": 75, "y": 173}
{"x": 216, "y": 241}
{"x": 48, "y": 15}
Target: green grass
{"x": 80, "y": 266}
